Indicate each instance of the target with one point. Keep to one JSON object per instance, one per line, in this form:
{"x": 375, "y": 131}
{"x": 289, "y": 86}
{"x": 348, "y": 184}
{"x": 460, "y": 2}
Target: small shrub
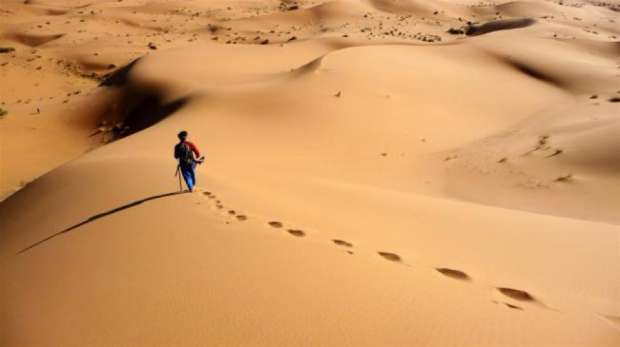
{"x": 288, "y": 5}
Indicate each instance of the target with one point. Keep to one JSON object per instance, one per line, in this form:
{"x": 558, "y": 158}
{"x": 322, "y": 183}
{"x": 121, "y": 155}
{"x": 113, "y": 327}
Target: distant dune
{"x": 378, "y": 173}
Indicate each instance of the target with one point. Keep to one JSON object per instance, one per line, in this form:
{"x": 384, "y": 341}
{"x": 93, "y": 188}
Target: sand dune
{"x": 378, "y": 173}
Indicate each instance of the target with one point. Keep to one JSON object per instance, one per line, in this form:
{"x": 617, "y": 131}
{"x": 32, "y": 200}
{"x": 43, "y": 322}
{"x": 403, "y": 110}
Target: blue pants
{"x": 189, "y": 176}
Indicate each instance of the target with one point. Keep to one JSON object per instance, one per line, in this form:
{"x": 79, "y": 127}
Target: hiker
{"x": 188, "y": 155}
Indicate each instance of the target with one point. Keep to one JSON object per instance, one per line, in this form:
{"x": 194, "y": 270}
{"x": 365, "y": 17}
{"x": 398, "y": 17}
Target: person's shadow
{"x": 100, "y": 215}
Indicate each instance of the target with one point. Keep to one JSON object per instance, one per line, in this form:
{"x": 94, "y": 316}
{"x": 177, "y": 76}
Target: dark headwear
{"x": 182, "y": 135}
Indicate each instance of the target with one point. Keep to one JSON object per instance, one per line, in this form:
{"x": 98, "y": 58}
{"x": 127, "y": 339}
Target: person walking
{"x": 188, "y": 156}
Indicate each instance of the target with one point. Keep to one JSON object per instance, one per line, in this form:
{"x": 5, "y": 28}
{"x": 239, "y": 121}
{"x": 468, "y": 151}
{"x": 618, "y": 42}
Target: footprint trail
{"x": 452, "y": 273}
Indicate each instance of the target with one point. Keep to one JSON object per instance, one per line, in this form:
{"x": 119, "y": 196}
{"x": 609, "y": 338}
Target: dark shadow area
{"x": 145, "y": 110}
{"x": 496, "y": 25}
{"x": 118, "y": 78}
{"x": 100, "y": 215}
{"x": 532, "y": 72}
{"x": 135, "y": 107}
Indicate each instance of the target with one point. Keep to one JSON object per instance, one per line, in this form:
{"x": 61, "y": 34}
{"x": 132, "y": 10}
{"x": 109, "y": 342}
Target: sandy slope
{"x": 370, "y": 180}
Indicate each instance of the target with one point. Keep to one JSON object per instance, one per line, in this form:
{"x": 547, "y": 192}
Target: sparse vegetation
{"x": 3, "y": 112}
{"x": 288, "y": 5}
{"x": 456, "y": 31}
{"x": 611, "y": 6}
{"x": 214, "y": 28}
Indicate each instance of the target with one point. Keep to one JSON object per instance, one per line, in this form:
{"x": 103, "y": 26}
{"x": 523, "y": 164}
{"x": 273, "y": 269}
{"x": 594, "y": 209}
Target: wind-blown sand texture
{"x": 378, "y": 173}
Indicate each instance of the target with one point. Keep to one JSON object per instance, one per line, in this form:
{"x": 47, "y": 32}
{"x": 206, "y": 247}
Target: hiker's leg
{"x": 188, "y": 177}
{"x": 193, "y": 173}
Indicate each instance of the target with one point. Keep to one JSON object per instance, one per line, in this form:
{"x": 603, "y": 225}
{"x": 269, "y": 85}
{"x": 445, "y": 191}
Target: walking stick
{"x": 178, "y": 173}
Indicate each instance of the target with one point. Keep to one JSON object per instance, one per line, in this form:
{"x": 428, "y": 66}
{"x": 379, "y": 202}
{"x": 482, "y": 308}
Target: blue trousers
{"x": 189, "y": 176}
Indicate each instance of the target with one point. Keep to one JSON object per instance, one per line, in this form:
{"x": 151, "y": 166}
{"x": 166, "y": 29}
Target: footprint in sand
{"x": 296, "y": 232}
{"x": 511, "y": 306}
{"x": 556, "y": 152}
{"x": 232, "y": 212}
{"x": 452, "y": 273}
{"x": 390, "y": 256}
{"x": 516, "y": 294}
{"x": 241, "y": 217}
{"x": 514, "y": 307}
{"x": 275, "y": 224}
{"x": 342, "y": 243}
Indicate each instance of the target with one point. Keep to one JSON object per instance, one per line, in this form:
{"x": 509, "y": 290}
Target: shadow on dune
{"x": 538, "y": 74}
{"x": 145, "y": 110}
{"x": 497, "y": 25}
{"x": 100, "y": 215}
{"x": 136, "y": 106}
{"x": 32, "y": 40}
{"x": 118, "y": 78}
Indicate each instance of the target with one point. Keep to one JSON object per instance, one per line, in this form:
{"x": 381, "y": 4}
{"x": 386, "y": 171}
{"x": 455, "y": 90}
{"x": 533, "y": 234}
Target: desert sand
{"x": 378, "y": 173}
